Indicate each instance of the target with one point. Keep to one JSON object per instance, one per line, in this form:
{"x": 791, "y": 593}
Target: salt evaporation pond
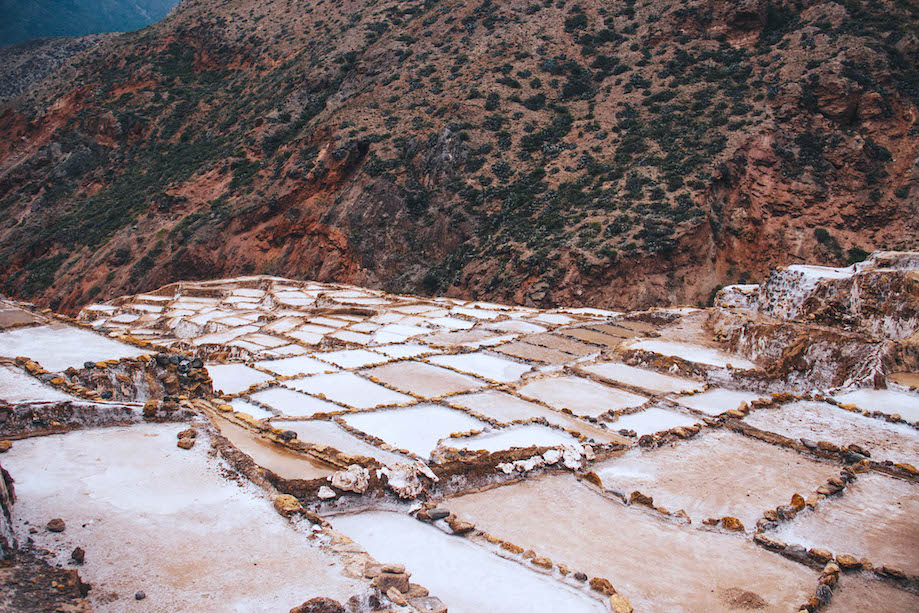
{"x": 693, "y": 353}
{"x": 425, "y": 380}
{"x": 17, "y": 386}
{"x": 864, "y": 593}
{"x": 651, "y": 420}
{"x": 888, "y": 401}
{"x": 184, "y": 534}
{"x": 529, "y": 435}
{"x": 716, "y": 401}
{"x": 820, "y": 421}
{"x": 654, "y": 382}
{"x": 348, "y": 389}
{"x": 278, "y": 459}
{"x": 483, "y": 365}
{"x": 580, "y": 396}
{"x": 416, "y": 428}
{"x": 467, "y": 578}
{"x": 58, "y": 347}
{"x": 352, "y": 358}
{"x": 241, "y": 406}
{"x": 657, "y": 565}
{"x": 717, "y": 474}
{"x": 293, "y": 404}
{"x": 299, "y": 365}
{"x": 331, "y": 434}
{"x": 877, "y": 517}
{"x": 232, "y": 379}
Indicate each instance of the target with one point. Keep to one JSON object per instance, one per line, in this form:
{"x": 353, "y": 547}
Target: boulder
{"x": 5, "y": 446}
{"x": 287, "y": 505}
{"x": 56, "y": 525}
{"x": 319, "y": 605}
{"x": 385, "y": 581}
{"x": 186, "y": 443}
{"x": 618, "y": 604}
{"x": 797, "y": 501}
{"x": 732, "y": 523}
{"x": 428, "y": 604}
{"x": 848, "y": 562}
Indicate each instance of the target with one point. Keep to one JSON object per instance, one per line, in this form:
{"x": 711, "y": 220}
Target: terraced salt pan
{"x": 330, "y": 433}
{"x": 234, "y": 378}
{"x": 654, "y": 382}
{"x": 876, "y": 517}
{"x": 349, "y": 389}
{"x": 716, "y": 401}
{"x": 279, "y": 460}
{"x": 581, "y": 396}
{"x": 299, "y": 365}
{"x": 351, "y": 358}
{"x": 416, "y": 428}
{"x": 467, "y": 578}
{"x": 423, "y": 379}
{"x": 693, "y": 353}
{"x": 819, "y": 421}
{"x": 651, "y": 420}
{"x": 241, "y": 406}
{"x": 405, "y": 350}
{"x": 863, "y": 593}
{"x": 529, "y": 435}
{"x": 187, "y": 536}
{"x": 888, "y": 401}
{"x": 657, "y": 565}
{"x": 506, "y": 408}
{"x": 536, "y": 353}
{"x": 17, "y": 386}
{"x": 58, "y": 347}
{"x": 293, "y": 404}
{"x": 484, "y": 365}
{"x": 717, "y": 474}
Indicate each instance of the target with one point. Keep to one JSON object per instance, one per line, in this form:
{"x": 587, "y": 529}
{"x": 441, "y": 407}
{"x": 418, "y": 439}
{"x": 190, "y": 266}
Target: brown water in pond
{"x": 561, "y": 343}
{"x": 863, "y": 593}
{"x": 910, "y": 379}
{"x": 279, "y": 460}
{"x": 592, "y": 336}
{"x": 657, "y": 565}
{"x": 14, "y": 317}
{"x": 424, "y": 379}
{"x": 535, "y": 353}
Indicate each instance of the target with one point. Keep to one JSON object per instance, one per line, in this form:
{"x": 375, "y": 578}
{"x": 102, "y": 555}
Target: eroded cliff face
{"x": 599, "y": 153}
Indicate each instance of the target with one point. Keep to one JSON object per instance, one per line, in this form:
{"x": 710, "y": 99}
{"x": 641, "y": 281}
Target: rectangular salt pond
{"x": 656, "y": 564}
{"x": 330, "y": 433}
{"x": 351, "y": 358}
{"x": 423, "y": 379}
{"x": 241, "y": 406}
{"x": 417, "y": 428}
{"x": 561, "y": 343}
{"x": 529, "y": 435}
{"x": 651, "y": 420}
{"x": 190, "y": 538}
{"x": 865, "y": 593}
{"x": 466, "y": 577}
{"x": 484, "y": 365}
{"x": 405, "y": 350}
{"x": 693, "y": 353}
{"x": 349, "y": 389}
{"x": 536, "y": 353}
{"x": 716, "y": 401}
{"x": 293, "y": 404}
{"x": 299, "y": 365}
{"x": 876, "y": 517}
{"x": 820, "y": 421}
{"x": 715, "y": 474}
{"x": 269, "y": 455}
{"x": 654, "y": 382}
{"x": 581, "y": 396}
{"x": 888, "y": 401}
{"x": 58, "y": 347}
{"x": 234, "y": 378}
{"x": 593, "y": 336}
{"x": 17, "y": 386}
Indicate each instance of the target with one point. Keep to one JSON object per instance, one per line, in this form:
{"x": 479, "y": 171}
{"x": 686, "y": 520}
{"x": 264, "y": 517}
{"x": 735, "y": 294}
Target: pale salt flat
{"x": 234, "y": 378}
{"x": 717, "y": 401}
{"x": 717, "y": 473}
{"x": 351, "y": 358}
{"x": 651, "y": 420}
{"x": 285, "y": 351}
{"x": 397, "y": 333}
{"x": 466, "y": 577}
{"x": 581, "y": 396}
{"x": 330, "y": 433}
{"x": 484, "y": 365}
{"x": 349, "y": 389}
{"x": 693, "y": 353}
{"x": 639, "y": 377}
{"x": 224, "y": 336}
{"x": 877, "y": 517}
{"x": 17, "y": 386}
{"x": 58, "y": 347}
{"x": 416, "y": 428}
{"x": 299, "y": 365}
{"x": 165, "y": 531}
{"x": 405, "y": 350}
{"x": 656, "y": 564}
{"x": 293, "y": 404}
{"x": 241, "y": 406}
{"x": 476, "y": 313}
{"x": 451, "y": 323}
{"x": 352, "y": 337}
{"x": 864, "y": 593}
{"x": 425, "y": 380}
{"x": 820, "y": 421}
{"x": 520, "y": 327}
{"x": 888, "y": 401}
{"x": 306, "y": 337}
{"x": 529, "y": 435}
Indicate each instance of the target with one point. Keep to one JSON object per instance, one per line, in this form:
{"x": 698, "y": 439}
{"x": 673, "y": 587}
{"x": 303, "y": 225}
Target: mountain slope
{"x": 616, "y": 153}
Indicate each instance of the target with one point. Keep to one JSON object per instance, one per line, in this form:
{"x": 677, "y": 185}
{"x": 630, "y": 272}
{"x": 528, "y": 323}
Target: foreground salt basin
{"x": 58, "y": 347}
{"x": 184, "y": 534}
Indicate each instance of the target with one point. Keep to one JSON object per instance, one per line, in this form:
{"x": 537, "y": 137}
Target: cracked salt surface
{"x": 58, "y": 347}
{"x": 530, "y": 435}
{"x": 693, "y": 353}
{"x": 581, "y": 396}
{"x": 716, "y": 401}
{"x": 654, "y": 382}
{"x": 888, "y": 401}
{"x": 466, "y": 577}
{"x": 416, "y": 428}
{"x": 349, "y": 389}
{"x": 187, "y": 536}
{"x": 17, "y": 386}
{"x": 234, "y": 378}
